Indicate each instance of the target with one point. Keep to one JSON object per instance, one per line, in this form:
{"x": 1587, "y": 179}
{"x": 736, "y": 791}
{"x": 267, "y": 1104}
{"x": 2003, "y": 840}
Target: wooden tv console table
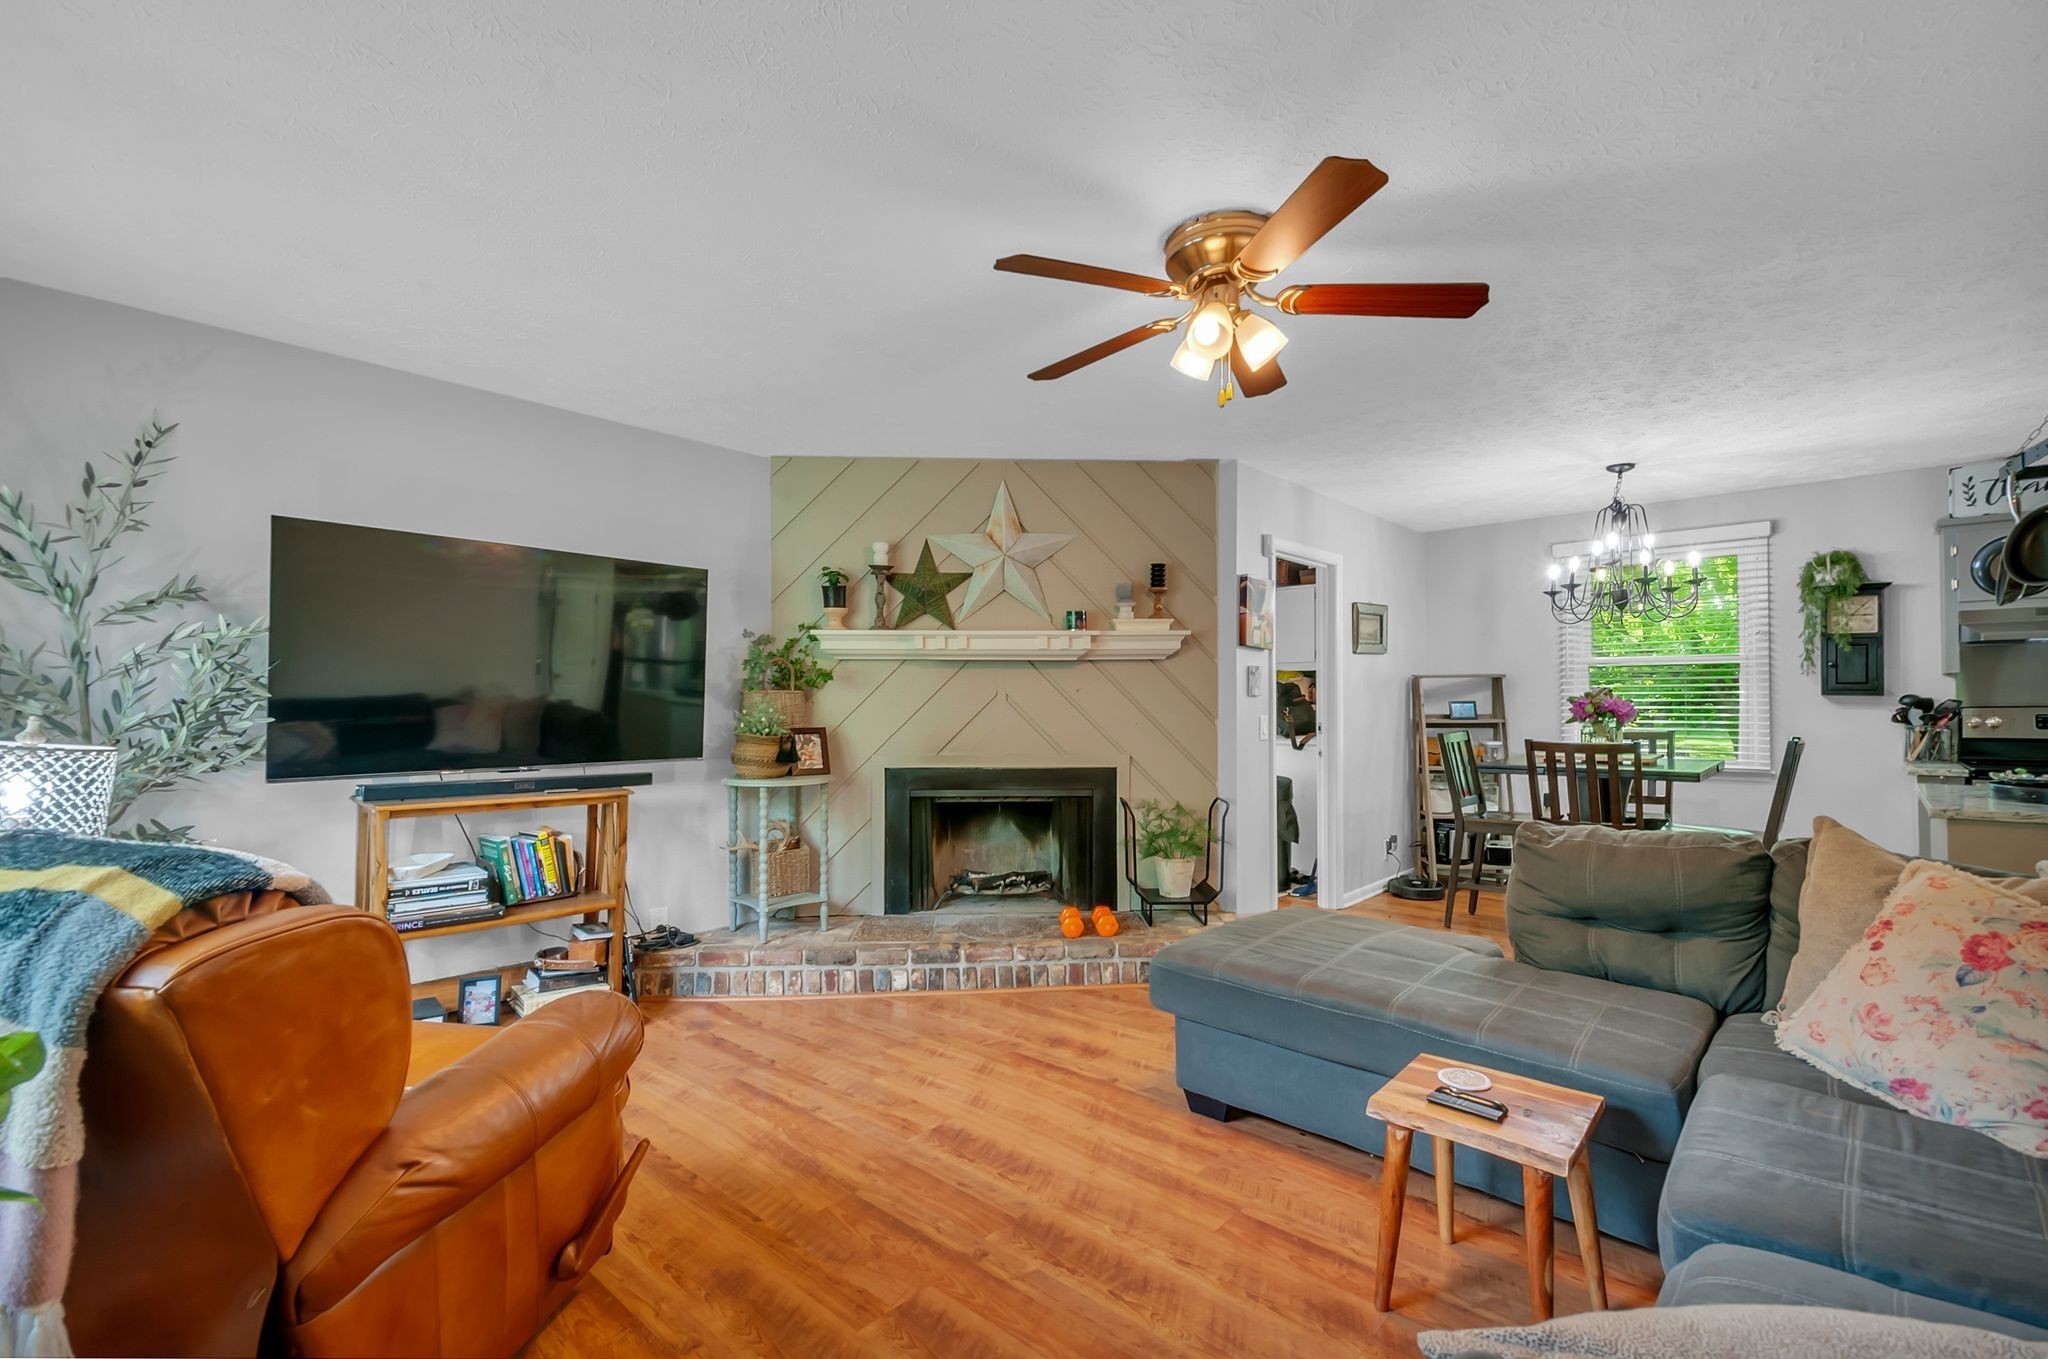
{"x": 603, "y": 851}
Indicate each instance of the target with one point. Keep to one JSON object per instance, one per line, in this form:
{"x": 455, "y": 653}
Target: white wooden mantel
{"x": 1047, "y": 644}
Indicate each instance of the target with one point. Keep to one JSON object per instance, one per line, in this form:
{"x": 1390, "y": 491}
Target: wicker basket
{"x": 791, "y": 705}
{"x": 754, "y": 757}
{"x": 792, "y": 864}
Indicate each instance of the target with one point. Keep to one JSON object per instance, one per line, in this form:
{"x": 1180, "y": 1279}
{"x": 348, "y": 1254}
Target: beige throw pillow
{"x": 1847, "y": 880}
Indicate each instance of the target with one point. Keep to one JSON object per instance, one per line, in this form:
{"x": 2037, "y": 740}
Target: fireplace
{"x": 998, "y": 839}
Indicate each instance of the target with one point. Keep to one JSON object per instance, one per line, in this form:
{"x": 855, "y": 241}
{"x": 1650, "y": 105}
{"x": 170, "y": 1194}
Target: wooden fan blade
{"x": 1255, "y": 381}
{"x": 1449, "y": 300}
{"x": 1332, "y": 191}
{"x": 1103, "y": 350}
{"x": 1042, "y": 267}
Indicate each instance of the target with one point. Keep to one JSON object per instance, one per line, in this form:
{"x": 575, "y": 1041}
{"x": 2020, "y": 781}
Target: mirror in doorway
{"x": 1294, "y": 707}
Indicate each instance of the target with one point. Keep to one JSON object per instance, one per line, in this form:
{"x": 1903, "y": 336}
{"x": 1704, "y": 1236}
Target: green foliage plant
{"x": 831, "y": 575}
{"x": 797, "y": 662}
{"x": 182, "y": 703}
{"x": 760, "y": 718}
{"x": 21, "y": 1057}
{"x": 1170, "y": 832}
{"x": 1826, "y": 578}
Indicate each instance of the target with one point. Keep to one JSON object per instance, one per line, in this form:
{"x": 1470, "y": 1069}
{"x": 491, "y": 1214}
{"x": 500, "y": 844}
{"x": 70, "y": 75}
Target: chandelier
{"x": 1620, "y": 575}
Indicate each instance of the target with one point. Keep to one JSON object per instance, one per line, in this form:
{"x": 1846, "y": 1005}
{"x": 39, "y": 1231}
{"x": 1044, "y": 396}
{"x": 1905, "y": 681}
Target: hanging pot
{"x": 1987, "y": 569}
{"x": 2026, "y": 547}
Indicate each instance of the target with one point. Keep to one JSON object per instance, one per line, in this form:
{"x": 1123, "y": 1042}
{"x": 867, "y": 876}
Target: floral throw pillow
{"x": 1941, "y": 1008}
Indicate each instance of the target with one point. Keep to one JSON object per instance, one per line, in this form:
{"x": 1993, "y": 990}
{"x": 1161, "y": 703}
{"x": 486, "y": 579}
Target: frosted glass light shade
{"x": 1209, "y": 330}
{"x": 1258, "y": 340}
{"x": 1192, "y": 363}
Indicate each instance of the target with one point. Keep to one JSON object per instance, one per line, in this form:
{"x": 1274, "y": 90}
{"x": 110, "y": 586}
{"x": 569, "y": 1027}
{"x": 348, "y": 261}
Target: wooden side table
{"x": 1545, "y": 1133}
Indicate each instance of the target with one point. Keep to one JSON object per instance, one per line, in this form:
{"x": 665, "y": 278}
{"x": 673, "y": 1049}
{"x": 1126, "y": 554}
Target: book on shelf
{"x": 461, "y": 915}
{"x": 530, "y": 866}
{"x": 446, "y": 901}
{"x": 580, "y": 930}
{"x": 549, "y": 982}
{"x": 457, "y": 878}
{"x": 524, "y": 1000}
{"x": 427, "y": 1010}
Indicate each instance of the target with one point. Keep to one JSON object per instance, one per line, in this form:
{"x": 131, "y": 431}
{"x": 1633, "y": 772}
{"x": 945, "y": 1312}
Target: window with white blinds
{"x": 1706, "y": 676}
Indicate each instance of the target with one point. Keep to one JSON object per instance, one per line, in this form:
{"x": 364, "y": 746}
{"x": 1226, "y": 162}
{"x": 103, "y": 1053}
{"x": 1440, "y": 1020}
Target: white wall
{"x": 1364, "y": 695}
{"x": 267, "y": 428}
{"x": 1487, "y": 613}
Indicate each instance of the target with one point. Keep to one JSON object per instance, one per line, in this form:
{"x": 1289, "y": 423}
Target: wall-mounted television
{"x": 406, "y": 653}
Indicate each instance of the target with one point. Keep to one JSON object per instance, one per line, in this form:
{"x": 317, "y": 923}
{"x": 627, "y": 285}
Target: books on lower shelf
{"x": 547, "y": 983}
{"x": 458, "y": 895}
{"x": 530, "y": 867}
{"x": 524, "y": 1000}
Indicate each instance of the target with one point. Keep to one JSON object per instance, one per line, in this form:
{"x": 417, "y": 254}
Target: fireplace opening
{"x": 1020, "y": 840}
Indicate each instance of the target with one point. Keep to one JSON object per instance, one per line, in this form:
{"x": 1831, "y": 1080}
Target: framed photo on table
{"x": 1464, "y": 707}
{"x": 477, "y": 998}
{"x": 813, "y": 751}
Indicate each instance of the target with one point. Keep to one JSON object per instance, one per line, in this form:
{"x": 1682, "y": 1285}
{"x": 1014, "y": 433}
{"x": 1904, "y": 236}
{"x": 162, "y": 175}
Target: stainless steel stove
{"x": 2003, "y": 689}
{"x": 1992, "y": 740}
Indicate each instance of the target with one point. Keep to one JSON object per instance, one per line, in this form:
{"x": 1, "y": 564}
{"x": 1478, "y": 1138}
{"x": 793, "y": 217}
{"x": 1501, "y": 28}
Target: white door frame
{"x": 1332, "y": 650}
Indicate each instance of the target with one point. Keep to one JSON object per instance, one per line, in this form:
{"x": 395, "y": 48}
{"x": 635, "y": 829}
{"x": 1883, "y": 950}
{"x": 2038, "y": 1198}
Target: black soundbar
{"x": 535, "y": 783}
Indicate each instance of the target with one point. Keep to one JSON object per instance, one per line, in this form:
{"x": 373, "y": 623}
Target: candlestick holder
{"x": 881, "y": 575}
{"x": 1158, "y": 593}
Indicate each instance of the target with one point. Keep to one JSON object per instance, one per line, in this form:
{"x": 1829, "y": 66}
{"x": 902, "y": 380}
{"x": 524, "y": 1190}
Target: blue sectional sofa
{"x": 1643, "y": 962}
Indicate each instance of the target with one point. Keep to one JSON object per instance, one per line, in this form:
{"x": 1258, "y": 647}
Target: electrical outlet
{"x": 1265, "y": 728}
{"x": 1393, "y": 841}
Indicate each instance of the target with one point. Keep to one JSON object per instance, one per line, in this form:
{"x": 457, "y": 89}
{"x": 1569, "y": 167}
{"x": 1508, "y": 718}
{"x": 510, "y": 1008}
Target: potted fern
{"x": 178, "y": 699}
{"x": 832, "y": 589}
{"x": 757, "y": 741}
{"x": 1178, "y": 839}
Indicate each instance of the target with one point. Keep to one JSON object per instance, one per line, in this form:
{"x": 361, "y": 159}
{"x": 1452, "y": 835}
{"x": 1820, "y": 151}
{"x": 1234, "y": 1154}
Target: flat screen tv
{"x": 402, "y": 653}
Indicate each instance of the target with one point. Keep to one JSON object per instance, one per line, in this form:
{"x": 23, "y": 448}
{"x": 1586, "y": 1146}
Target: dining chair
{"x": 1781, "y": 797}
{"x": 1658, "y": 747}
{"x": 1578, "y": 783}
{"x": 1473, "y": 826}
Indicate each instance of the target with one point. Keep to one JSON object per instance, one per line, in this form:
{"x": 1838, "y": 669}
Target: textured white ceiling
{"x": 1742, "y": 242}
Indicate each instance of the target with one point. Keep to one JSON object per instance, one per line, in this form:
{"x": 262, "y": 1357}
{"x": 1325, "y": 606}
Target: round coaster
{"x": 1465, "y": 1078}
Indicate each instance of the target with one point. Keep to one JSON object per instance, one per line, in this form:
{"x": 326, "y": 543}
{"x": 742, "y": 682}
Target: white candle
{"x": 878, "y": 554}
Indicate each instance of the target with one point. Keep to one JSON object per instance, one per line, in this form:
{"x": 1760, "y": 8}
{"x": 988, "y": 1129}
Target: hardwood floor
{"x": 1490, "y": 922}
{"x": 1010, "y": 1173}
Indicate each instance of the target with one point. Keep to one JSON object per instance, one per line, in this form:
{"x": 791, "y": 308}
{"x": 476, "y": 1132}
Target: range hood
{"x": 2022, "y": 622}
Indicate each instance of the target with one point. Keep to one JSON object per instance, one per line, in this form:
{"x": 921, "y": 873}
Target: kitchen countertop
{"x": 1937, "y": 769}
{"x": 1972, "y": 802}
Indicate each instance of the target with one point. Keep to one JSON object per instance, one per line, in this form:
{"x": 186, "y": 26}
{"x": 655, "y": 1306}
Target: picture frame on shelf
{"x": 813, "y": 749}
{"x": 1464, "y": 707}
{"x": 478, "y": 999}
{"x": 1255, "y": 613}
{"x": 1368, "y": 629}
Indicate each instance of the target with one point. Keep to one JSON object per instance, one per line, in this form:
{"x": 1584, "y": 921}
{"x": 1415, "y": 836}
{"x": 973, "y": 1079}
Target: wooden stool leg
{"x": 1446, "y": 1186}
{"x": 1393, "y": 1193}
{"x": 1580, "y": 1183}
{"x": 1537, "y": 1225}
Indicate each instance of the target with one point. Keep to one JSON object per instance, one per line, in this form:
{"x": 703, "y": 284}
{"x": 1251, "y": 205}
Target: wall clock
{"x": 1858, "y": 667}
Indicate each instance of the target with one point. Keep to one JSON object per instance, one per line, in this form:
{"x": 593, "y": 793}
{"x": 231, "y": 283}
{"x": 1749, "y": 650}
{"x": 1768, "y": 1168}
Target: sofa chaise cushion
{"x": 1686, "y": 912}
{"x": 1912, "y": 1204}
{"x": 1741, "y": 1274}
{"x": 1369, "y": 994}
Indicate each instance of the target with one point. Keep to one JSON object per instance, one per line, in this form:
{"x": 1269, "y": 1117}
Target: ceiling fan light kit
{"x": 1215, "y": 263}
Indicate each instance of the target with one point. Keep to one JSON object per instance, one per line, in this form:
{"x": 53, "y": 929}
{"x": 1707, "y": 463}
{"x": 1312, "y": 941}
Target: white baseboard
{"x": 1371, "y": 889}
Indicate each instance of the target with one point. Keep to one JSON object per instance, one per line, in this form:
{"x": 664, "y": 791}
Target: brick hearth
{"x": 940, "y": 951}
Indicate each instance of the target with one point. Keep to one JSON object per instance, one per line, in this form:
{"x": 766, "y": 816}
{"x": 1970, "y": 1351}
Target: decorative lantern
{"x": 53, "y": 787}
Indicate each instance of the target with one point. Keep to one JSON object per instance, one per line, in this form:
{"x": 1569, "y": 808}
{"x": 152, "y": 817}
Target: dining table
{"x": 1675, "y": 769}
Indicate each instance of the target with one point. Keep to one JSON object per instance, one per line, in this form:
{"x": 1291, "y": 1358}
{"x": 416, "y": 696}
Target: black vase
{"x": 835, "y": 595}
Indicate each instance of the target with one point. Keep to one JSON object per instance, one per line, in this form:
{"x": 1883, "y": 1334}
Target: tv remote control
{"x": 1490, "y": 1110}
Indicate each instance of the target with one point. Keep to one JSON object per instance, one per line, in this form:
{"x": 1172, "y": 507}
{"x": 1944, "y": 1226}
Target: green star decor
{"x": 924, "y": 591}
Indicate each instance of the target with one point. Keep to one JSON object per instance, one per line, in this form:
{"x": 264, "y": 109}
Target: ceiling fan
{"x": 1216, "y": 262}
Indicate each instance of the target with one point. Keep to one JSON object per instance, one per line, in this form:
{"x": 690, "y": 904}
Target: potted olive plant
{"x": 1178, "y": 839}
{"x": 832, "y": 587}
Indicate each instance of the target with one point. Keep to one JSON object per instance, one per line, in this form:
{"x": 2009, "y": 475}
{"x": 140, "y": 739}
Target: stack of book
{"x": 456, "y": 895}
{"x": 530, "y": 867}
{"x": 544, "y": 986}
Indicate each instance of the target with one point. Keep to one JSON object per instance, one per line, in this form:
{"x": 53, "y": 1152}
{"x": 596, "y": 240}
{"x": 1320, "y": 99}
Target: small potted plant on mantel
{"x": 1177, "y": 839}
{"x": 832, "y": 585}
{"x": 757, "y": 741}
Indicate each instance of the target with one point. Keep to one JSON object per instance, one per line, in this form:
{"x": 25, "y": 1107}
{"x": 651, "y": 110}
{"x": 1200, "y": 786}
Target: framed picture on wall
{"x": 1255, "y": 613}
{"x": 1369, "y": 629}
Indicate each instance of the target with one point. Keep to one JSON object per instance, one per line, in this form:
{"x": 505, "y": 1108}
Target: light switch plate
{"x": 1265, "y": 728}
{"x": 1254, "y": 680}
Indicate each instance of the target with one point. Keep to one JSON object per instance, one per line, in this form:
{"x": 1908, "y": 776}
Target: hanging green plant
{"x": 1827, "y": 578}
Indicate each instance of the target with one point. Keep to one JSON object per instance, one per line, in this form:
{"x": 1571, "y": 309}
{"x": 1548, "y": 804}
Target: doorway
{"x": 1303, "y": 694}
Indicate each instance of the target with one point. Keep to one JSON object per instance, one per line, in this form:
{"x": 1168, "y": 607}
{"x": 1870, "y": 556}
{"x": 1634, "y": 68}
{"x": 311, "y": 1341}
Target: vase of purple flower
{"x": 1600, "y": 714}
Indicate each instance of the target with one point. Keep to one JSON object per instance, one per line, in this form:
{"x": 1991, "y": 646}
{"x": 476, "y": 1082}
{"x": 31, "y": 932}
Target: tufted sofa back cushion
{"x": 1686, "y": 912}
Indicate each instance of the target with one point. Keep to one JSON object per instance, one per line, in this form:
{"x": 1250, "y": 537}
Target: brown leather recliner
{"x": 279, "y": 1160}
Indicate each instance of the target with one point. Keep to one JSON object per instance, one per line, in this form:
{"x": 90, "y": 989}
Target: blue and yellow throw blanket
{"x": 74, "y": 912}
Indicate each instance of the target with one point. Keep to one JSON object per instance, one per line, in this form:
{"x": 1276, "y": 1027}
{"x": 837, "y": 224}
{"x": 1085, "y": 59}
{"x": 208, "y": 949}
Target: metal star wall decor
{"x": 1003, "y": 556}
{"x": 924, "y": 591}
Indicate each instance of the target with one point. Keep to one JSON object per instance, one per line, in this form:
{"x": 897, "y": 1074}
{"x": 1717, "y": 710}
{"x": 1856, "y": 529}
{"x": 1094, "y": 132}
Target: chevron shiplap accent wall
{"x": 1154, "y": 721}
